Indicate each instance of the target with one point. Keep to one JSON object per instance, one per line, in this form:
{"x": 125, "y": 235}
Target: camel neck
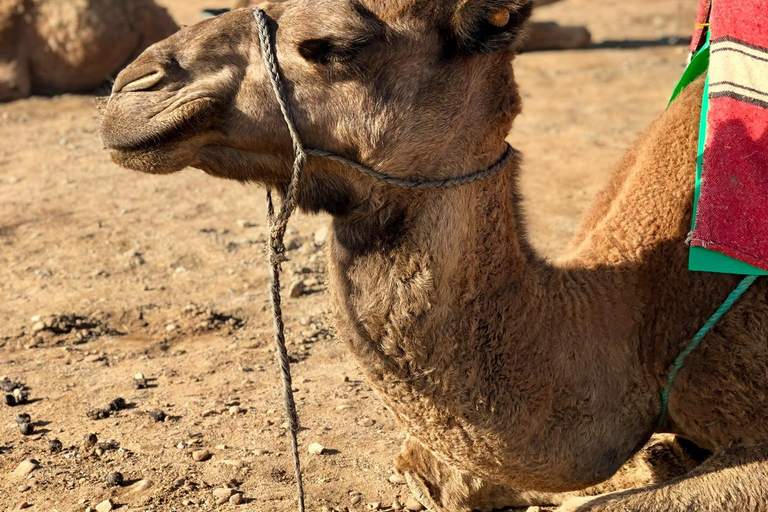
{"x": 453, "y": 315}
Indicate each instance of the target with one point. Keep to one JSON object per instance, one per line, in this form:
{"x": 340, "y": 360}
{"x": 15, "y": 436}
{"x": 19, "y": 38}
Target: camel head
{"x": 408, "y": 87}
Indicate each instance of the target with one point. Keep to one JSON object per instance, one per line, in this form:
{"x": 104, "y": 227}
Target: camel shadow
{"x": 633, "y": 44}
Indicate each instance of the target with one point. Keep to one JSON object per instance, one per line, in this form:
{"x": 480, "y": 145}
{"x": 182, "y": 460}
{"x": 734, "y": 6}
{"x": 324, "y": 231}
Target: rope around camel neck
{"x": 278, "y": 223}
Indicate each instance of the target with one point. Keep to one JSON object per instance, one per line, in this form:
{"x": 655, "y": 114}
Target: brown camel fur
{"x": 55, "y": 46}
{"x": 521, "y": 372}
{"x": 542, "y": 35}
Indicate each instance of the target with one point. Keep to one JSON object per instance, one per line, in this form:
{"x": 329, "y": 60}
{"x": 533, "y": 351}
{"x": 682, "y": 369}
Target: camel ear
{"x": 487, "y": 26}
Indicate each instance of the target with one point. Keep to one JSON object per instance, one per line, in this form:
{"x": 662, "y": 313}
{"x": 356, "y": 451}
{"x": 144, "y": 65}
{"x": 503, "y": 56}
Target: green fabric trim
{"x": 699, "y": 258}
{"x": 697, "y": 67}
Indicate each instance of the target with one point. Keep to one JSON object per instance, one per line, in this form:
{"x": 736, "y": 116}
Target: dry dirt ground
{"x": 106, "y": 273}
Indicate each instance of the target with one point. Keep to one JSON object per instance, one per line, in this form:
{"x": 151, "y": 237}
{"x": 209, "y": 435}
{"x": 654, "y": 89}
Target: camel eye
{"x": 328, "y": 50}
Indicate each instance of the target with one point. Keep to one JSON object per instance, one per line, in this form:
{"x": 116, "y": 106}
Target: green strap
{"x": 722, "y": 310}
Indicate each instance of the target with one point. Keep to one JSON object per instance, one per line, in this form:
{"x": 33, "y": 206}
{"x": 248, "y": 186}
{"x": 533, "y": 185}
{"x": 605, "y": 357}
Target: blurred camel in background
{"x": 52, "y": 47}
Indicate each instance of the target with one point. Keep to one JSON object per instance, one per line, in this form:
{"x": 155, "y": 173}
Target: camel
{"x": 523, "y": 373}
{"x": 54, "y": 46}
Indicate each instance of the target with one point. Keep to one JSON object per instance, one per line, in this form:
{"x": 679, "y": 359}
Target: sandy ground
{"x": 106, "y": 273}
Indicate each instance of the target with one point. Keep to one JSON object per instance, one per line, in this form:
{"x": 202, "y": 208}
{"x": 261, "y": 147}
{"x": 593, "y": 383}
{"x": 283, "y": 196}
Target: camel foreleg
{"x": 735, "y": 480}
{"x": 442, "y": 488}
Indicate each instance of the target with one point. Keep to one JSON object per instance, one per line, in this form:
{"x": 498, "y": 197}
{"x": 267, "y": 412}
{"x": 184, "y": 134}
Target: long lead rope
{"x": 735, "y": 295}
{"x": 278, "y": 222}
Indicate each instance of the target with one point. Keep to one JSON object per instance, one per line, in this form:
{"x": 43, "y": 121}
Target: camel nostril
{"x": 132, "y": 82}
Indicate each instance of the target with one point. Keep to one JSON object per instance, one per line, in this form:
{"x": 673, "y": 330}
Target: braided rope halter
{"x": 278, "y": 222}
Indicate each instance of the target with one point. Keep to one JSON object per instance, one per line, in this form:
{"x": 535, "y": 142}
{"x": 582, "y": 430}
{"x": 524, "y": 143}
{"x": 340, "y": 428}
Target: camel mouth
{"x": 163, "y": 143}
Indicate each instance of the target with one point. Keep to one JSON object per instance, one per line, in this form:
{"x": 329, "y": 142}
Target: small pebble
{"x": 296, "y": 289}
{"x": 104, "y": 506}
{"x": 235, "y": 409}
{"x": 26, "y": 429}
{"x": 236, "y": 499}
{"x": 25, "y": 468}
{"x": 320, "y": 236}
{"x": 23, "y": 418}
{"x": 118, "y": 404}
{"x": 90, "y": 440}
{"x": 98, "y": 414}
{"x": 115, "y": 479}
{"x": 23, "y": 505}
{"x": 54, "y": 446}
{"x": 316, "y": 449}
{"x": 413, "y": 505}
{"x": 23, "y": 488}
{"x": 356, "y": 499}
{"x": 157, "y": 415}
{"x": 366, "y": 422}
{"x": 10, "y": 400}
{"x": 20, "y": 395}
{"x": 397, "y": 479}
{"x": 222, "y": 495}
{"x": 201, "y": 455}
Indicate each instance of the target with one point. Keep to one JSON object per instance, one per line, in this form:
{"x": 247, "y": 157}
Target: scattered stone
{"x": 356, "y": 499}
{"x": 396, "y": 505}
{"x": 376, "y": 505}
{"x": 533, "y": 509}
{"x": 321, "y": 235}
{"x": 25, "y": 468}
{"x": 118, "y": 404}
{"x": 236, "y": 499}
{"x": 296, "y": 289}
{"x": 54, "y": 446}
{"x": 246, "y": 224}
{"x": 26, "y": 429}
{"x": 37, "y": 327}
{"x": 90, "y": 440}
{"x": 23, "y": 505}
{"x": 9, "y": 400}
{"x": 235, "y": 409}
{"x": 171, "y": 327}
{"x": 413, "y": 505}
{"x": 397, "y": 479}
{"x": 157, "y": 415}
{"x": 316, "y": 449}
{"x": 115, "y": 479}
{"x": 23, "y": 418}
{"x": 366, "y": 422}
{"x": 105, "y": 506}
{"x": 222, "y": 495}
{"x": 21, "y": 395}
{"x": 23, "y": 488}
{"x": 201, "y": 455}
{"x": 98, "y": 414}
{"x": 139, "y": 381}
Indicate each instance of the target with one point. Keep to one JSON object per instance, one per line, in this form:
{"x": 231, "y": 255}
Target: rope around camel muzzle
{"x": 278, "y": 222}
